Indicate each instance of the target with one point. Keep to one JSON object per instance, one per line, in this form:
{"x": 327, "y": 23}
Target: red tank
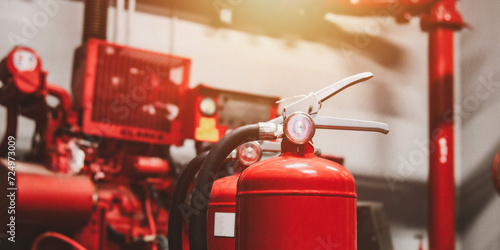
{"x": 296, "y": 201}
{"x": 222, "y": 203}
{"x": 221, "y": 213}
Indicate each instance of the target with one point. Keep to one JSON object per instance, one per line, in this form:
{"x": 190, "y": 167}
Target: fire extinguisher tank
{"x": 296, "y": 202}
{"x": 221, "y": 212}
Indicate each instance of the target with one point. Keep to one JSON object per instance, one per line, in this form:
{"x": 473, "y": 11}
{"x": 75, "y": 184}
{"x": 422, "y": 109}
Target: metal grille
{"x": 134, "y": 88}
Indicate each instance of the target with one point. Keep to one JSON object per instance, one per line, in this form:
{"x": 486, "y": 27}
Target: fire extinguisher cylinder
{"x": 206, "y": 177}
{"x": 294, "y": 201}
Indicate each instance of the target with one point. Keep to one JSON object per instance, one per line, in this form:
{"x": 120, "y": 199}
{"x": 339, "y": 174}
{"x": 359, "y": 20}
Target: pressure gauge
{"x": 208, "y": 106}
{"x": 24, "y": 60}
{"x": 24, "y": 69}
{"x": 249, "y": 153}
{"x": 299, "y": 128}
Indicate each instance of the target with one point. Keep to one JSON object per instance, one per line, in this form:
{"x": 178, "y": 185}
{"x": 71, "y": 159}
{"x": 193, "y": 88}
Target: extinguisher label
{"x": 224, "y": 224}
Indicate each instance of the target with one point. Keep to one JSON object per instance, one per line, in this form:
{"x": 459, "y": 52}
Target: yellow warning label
{"x": 206, "y": 131}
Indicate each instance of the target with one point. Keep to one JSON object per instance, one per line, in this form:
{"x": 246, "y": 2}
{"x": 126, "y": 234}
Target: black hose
{"x": 208, "y": 173}
{"x": 95, "y": 19}
{"x": 177, "y": 205}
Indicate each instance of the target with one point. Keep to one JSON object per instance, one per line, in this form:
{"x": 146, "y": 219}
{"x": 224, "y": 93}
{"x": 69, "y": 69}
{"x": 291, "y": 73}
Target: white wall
{"x": 397, "y": 95}
{"x": 52, "y": 32}
{"x": 479, "y": 206}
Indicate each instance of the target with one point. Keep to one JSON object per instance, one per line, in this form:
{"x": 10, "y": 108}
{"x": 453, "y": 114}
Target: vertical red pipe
{"x": 441, "y": 23}
{"x": 441, "y": 166}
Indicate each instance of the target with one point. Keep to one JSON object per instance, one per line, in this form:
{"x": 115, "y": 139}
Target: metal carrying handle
{"x": 314, "y": 100}
{"x": 325, "y": 122}
{"x": 312, "y": 103}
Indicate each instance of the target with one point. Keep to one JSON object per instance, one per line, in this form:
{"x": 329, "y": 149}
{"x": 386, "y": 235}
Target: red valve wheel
{"x": 494, "y": 172}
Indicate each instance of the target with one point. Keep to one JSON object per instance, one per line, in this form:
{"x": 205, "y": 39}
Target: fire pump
{"x": 99, "y": 174}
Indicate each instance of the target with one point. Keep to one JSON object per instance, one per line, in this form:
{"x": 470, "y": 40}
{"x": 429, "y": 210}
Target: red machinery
{"x": 130, "y": 94}
{"x": 24, "y": 92}
{"x": 124, "y": 97}
{"x": 101, "y": 175}
{"x": 217, "y": 111}
{"x": 277, "y": 203}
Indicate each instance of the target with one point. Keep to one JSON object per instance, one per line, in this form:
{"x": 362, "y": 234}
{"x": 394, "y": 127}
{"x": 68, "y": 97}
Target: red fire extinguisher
{"x": 222, "y": 202}
{"x": 294, "y": 201}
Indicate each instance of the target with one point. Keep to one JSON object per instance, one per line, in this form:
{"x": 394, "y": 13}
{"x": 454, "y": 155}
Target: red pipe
{"x": 65, "y": 101}
{"x": 59, "y": 236}
{"x": 45, "y": 198}
{"x": 441, "y": 149}
{"x": 151, "y": 220}
{"x": 442, "y": 21}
